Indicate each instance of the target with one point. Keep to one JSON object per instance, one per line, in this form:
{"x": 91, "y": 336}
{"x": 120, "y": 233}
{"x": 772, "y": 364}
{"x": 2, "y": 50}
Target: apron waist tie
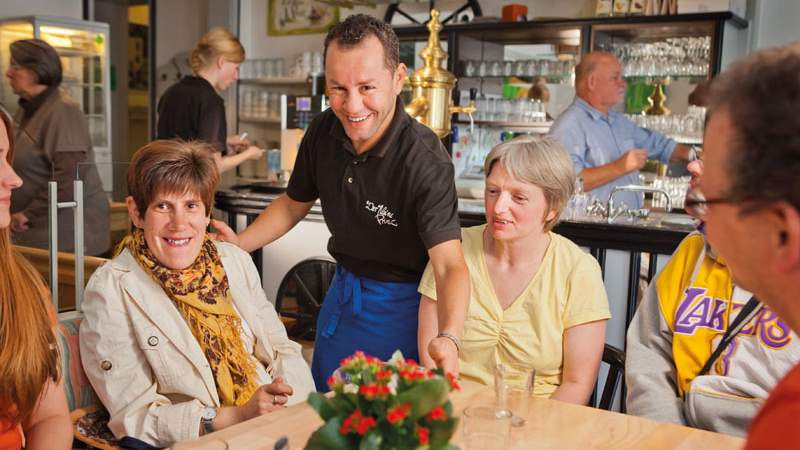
{"x": 346, "y": 286}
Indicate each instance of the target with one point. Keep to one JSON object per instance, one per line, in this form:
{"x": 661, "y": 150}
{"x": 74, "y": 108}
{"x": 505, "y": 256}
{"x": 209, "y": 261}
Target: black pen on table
{"x": 282, "y": 444}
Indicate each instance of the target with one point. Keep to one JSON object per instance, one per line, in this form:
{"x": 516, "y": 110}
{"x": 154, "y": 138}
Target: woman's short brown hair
{"x": 542, "y": 162}
{"x": 172, "y": 166}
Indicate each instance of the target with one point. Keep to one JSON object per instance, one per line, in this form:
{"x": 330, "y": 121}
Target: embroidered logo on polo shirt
{"x": 382, "y": 214}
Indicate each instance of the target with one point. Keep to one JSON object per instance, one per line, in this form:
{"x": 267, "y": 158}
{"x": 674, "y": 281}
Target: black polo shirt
{"x": 191, "y": 110}
{"x": 386, "y": 207}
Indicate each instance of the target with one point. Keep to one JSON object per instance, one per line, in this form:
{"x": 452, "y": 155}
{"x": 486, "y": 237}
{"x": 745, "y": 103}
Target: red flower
{"x": 424, "y": 435}
{"x": 365, "y": 424}
{"x": 384, "y": 374}
{"x": 411, "y": 375}
{"x": 398, "y": 413}
{"x": 332, "y": 381}
{"x": 358, "y": 423}
{"x": 453, "y": 382}
{"x": 371, "y": 391}
{"x": 437, "y": 413}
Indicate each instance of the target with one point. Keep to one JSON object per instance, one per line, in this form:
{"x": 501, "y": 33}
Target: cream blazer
{"x": 146, "y": 366}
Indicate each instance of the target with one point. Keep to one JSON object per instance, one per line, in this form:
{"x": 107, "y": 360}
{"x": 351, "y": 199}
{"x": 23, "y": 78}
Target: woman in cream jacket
{"x": 178, "y": 338}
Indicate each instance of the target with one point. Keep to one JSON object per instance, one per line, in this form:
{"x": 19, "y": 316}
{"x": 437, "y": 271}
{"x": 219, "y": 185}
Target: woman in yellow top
{"x": 536, "y": 299}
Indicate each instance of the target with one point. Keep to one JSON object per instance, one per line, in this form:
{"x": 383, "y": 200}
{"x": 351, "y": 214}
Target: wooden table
{"x": 551, "y": 425}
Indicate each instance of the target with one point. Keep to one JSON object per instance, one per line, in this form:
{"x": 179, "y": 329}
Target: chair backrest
{"x": 301, "y": 293}
{"x": 615, "y": 358}
{"x": 80, "y": 393}
{"x": 40, "y": 259}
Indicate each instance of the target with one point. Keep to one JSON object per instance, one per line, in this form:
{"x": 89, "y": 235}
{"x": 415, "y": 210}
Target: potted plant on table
{"x": 390, "y": 405}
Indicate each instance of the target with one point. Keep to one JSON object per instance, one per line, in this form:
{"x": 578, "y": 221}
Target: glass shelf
{"x": 524, "y": 78}
{"x": 262, "y": 120}
{"x": 660, "y": 78}
{"x": 275, "y": 81}
{"x": 531, "y": 127}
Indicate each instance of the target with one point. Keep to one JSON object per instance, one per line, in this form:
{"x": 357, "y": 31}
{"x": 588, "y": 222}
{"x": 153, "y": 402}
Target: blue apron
{"x": 376, "y": 317}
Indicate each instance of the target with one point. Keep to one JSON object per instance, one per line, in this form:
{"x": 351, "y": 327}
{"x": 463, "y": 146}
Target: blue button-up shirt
{"x": 594, "y": 139}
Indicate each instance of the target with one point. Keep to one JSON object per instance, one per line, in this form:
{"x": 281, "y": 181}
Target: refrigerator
{"x": 84, "y": 50}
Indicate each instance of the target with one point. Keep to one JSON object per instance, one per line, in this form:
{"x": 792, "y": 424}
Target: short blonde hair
{"x": 217, "y": 42}
{"x": 542, "y": 162}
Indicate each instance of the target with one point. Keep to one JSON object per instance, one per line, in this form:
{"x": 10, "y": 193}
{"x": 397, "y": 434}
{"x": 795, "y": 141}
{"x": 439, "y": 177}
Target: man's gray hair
{"x": 761, "y": 95}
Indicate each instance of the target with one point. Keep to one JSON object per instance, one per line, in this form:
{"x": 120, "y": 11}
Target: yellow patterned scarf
{"x": 202, "y": 295}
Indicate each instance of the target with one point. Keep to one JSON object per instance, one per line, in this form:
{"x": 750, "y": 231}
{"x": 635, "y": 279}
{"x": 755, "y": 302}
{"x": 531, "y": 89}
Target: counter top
{"x": 659, "y": 233}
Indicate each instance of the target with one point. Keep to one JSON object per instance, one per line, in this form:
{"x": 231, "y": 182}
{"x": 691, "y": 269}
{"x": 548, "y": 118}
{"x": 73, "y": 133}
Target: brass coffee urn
{"x": 432, "y": 86}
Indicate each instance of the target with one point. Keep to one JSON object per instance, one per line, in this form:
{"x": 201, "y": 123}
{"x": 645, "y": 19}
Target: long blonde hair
{"x": 28, "y": 353}
{"x": 217, "y": 42}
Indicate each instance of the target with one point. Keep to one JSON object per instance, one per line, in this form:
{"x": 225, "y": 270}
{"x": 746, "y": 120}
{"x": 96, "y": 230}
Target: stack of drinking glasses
{"x": 680, "y": 56}
{"x": 255, "y": 102}
{"x": 676, "y": 187}
{"x": 552, "y": 69}
{"x": 255, "y": 69}
{"x": 498, "y": 109}
{"x": 686, "y": 128}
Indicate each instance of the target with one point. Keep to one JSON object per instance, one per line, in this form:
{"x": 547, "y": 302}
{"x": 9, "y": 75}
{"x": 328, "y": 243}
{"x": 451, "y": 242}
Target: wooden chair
{"x": 615, "y": 358}
{"x": 40, "y": 258}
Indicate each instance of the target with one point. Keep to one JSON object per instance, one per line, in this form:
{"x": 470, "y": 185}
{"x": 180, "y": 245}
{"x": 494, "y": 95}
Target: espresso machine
{"x": 297, "y": 111}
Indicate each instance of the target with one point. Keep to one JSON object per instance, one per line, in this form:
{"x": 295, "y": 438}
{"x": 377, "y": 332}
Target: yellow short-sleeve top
{"x": 566, "y": 291}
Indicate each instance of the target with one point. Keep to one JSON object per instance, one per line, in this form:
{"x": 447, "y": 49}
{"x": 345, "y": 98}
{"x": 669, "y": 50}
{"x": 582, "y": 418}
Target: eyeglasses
{"x": 696, "y": 204}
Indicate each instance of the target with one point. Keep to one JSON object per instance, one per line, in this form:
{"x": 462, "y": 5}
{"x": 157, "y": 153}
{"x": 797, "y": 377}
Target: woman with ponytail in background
{"x": 192, "y": 108}
{"x": 33, "y": 406}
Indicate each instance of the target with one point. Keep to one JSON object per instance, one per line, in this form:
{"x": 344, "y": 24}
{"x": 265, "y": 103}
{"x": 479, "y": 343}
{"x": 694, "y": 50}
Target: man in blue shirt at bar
{"x": 607, "y": 148}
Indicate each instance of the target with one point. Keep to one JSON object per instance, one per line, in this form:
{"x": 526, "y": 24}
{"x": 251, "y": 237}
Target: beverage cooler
{"x": 84, "y": 50}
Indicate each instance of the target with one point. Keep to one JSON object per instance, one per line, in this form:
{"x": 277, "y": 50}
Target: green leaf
{"x": 322, "y": 405}
{"x": 441, "y": 432}
{"x": 327, "y": 437}
{"x": 371, "y": 441}
{"x": 424, "y": 397}
{"x": 445, "y": 447}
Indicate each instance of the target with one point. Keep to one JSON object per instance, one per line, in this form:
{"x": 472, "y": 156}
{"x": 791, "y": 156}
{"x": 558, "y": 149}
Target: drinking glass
{"x": 485, "y": 428}
{"x": 482, "y": 66}
{"x": 508, "y": 68}
{"x": 470, "y": 68}
{"x": 495, "y": 68}
{"x": 513, "y": 385}
{"x": 263, "y": 105}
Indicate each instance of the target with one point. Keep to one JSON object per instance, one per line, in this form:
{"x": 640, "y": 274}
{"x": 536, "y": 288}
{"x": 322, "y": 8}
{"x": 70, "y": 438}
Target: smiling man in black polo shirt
{"x": 387, "y": 191}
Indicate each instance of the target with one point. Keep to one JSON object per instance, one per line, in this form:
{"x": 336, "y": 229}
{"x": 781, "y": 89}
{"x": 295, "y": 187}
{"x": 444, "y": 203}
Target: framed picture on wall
{"x": 287, "y": 17}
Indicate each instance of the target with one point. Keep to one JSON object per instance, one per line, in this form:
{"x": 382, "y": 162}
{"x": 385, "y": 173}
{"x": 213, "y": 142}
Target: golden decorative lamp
{"x": 432, "y": 85}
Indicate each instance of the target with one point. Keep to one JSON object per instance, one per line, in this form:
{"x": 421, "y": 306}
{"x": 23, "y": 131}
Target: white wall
{"x": 258, "y": 45}
{"x": 775, "y": 22}
{"x": 57, "y": 8}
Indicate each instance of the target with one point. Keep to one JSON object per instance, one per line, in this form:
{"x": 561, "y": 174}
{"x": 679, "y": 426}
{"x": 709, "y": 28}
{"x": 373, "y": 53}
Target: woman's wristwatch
{"x": 207, "y": 419}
